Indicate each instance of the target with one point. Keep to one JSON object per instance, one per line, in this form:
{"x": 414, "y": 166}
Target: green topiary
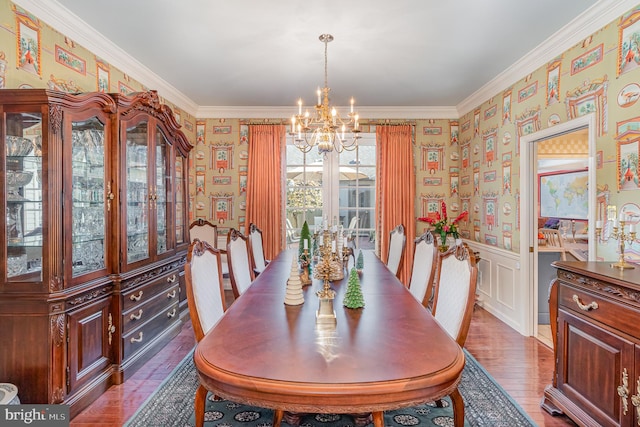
{"x": 305, "y": 235}
{"x": 360, "y": 261}
{"x": 353, "y": 297}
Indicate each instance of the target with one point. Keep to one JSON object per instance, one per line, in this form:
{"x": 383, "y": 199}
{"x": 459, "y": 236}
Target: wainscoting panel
{"x": 506, "y": 286}
{"x": 499, "y": 290}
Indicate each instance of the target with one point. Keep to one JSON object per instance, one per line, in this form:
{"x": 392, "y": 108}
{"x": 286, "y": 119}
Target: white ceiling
{"x": 401, "y": 54}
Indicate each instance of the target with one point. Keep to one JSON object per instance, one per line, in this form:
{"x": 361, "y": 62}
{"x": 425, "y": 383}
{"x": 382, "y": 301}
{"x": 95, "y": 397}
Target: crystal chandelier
{"x": 326, "y": 129}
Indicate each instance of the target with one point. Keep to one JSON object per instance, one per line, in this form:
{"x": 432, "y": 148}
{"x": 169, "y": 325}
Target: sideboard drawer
{"x": 144, "y": 293}
{"x": 138, "y": 338}
{"x": 142, "y": 312}
{"x": 594, "y": 306}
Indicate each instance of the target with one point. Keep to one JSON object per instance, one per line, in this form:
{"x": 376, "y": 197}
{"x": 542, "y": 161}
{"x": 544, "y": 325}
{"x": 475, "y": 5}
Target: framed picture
{"x": 103, "y": 77}
{"x": 553, "y": 82}
{"x": 70, "y": 60}
{"x": 628, "y": 33}
{"x": 563, "y": 194}
{"x": 29, "y": 50}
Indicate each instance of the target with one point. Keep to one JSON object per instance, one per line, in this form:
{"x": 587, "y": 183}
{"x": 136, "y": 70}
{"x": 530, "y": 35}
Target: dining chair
{"x": 351, "y": 232}
{"x": 207, "y": 232}
{"x": 292, "y": 235}
{"x": 240, "y": 271}
{"x": 258, "y": 263}
{"x": 205, "y": 299}
{"x": 425, "y": 259}
{"x": 397, "y": 242}
{"x": 553, "y": 242}
{"x": 454, "y": 295}
{"x": 455, "y": 290}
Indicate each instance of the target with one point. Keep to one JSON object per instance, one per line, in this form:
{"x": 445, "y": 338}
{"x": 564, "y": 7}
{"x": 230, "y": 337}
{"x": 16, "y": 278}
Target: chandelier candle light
{"x": 326, "y": 129}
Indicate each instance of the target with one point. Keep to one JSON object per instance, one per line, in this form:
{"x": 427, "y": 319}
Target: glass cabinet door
{"x": 88, "y": 196}
{"x": 181, "y": 203}
{"x": 163, "y": 176}
{"x": 138, "y": 196}
{"x": 23, "y": 196}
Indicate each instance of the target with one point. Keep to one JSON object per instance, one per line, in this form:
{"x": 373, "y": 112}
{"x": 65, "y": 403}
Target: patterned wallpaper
{"x": 471, "y": 163}
{"x": 601, "y": 75}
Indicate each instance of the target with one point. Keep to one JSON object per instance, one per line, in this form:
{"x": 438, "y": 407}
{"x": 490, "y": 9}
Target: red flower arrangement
{"x": 442, "y": 226}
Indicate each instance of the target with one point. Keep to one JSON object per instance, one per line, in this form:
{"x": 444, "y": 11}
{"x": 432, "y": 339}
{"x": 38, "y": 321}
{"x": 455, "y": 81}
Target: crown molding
{"x": 223, "y": 112}
{"x": 590, "y": 21}
{"x": 67, "y": 23}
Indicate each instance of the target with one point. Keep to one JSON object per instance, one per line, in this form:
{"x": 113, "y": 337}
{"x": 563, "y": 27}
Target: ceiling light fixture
{"x": 326, "y": 129}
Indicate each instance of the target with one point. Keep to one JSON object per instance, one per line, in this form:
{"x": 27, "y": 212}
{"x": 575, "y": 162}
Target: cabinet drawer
{"x": 138, "y": 338}
{"x": 596, "y": 307}
{"x": 142, "y": 294}
{"x": 142, "y": 312}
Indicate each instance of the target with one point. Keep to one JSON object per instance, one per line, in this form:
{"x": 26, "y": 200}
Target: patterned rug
{"x": 171, "y": 405}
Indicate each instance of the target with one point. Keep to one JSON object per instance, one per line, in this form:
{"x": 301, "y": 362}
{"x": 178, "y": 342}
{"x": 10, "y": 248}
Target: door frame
{"x": 528, "y": 221}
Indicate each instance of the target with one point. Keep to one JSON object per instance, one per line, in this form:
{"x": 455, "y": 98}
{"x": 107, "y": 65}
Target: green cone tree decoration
{"x": 353, "y": 298}
{"x": 305, "y": 234}
{"x": 360, "y": 261}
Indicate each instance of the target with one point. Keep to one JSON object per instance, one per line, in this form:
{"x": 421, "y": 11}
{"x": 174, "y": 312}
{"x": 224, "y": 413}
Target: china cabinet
{"x": 594, "y": 316}
{"x": 93, "y": 239}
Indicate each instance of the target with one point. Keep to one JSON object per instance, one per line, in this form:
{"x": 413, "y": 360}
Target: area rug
{"x": 171, "y": 405}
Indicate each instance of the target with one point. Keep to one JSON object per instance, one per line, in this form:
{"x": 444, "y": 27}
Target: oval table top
{"x": 387, "y": 355}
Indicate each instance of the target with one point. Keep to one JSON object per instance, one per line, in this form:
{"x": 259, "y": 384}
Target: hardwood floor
{"x": 521, "y": 365}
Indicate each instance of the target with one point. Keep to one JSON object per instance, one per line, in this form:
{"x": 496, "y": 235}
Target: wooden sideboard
{"x": 595, "y": 321}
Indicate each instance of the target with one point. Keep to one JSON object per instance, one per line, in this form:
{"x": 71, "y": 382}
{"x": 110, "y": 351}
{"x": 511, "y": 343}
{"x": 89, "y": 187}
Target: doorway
{"x": 530, "y": 213}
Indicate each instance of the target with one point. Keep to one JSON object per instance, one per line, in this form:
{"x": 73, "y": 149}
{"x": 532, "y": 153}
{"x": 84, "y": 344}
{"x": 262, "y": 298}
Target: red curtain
{"x": 264, "y": 185}
{"x": 396, "y": 191}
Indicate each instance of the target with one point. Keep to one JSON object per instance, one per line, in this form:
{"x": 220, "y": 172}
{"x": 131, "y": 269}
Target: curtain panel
{"x": 264, "y": 185}
{"x": 396, "y": 191}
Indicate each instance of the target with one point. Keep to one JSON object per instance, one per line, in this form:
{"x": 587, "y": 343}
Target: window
{"x": 338, "y": 187}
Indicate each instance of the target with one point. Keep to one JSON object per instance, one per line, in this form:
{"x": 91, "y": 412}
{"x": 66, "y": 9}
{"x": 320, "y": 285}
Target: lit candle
{"x": 632, "y": 228}
{"x": 333, "y": 115}
{"x": 352, "y": 104}
{"x": 306, "y": 244}
{"x": 299, "y": 106}
{"x": 321, "y": 240}
{"x": 345, "y": 242}
{"x": 299, "y": 131}
{"x": 356, "y": 122}
{"x": 318, "y": 92}
{"x": 598, "y": 224}
{"x": 333, "y": 246}
{"x": 293, "y": 124}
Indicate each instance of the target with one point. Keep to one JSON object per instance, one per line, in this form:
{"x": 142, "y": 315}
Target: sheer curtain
{"x": 396, "y": 191}
{"x": 264, "y": 185}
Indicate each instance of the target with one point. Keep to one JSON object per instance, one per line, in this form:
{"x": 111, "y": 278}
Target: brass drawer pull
{"x": 136, "y": 297}
{"x": 623, "y": 391}
{"x": 172, "y": 313}
{"x": 171, "y": 278}
{"x": 139, "y": 339}
{"x": 591, "y": 306}
{"x": 171, "y": 294}
{"x": 136, "y": 316}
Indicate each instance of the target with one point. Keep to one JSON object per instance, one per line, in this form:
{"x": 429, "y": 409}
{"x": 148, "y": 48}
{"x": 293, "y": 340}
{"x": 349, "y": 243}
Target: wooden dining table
{"x": 388, "y": 355}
